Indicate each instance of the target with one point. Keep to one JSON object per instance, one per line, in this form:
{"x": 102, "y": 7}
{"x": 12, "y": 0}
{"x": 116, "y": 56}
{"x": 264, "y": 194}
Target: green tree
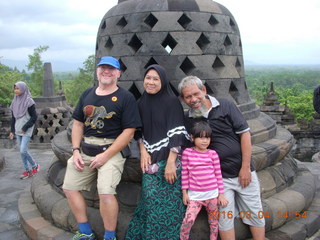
{"x": 293, "y": 84}
{"x": 74, "y": 88}
{"x": 8, "y": 78}
{"x": 300, "y": 103}
{"x": 36, "y": 64}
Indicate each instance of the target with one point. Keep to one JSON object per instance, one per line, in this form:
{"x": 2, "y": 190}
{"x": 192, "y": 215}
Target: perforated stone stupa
{"x": 54, "y": 113}
{"x": 189, "y": 37}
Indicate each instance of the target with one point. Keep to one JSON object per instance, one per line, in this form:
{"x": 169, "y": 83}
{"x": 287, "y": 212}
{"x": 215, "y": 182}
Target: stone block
{"x": 63, "y": 236}
{"x": 267, "y": 216}
{"x": 49, "y": 233}
{"x": 305, "y": 185}
{"x": 259, "y": 157}
{"x": 45, "y": 198}
{"x": 293, "y": 200}
{"x": 167, "y": 21}
{"x": 279, "y": 179}
{"x": 277, "y": 235}
{"x": 186, "y": 43}
{"x": 47, "y": 138}
{"x": 312, "y": 222}
{"x": 54, "y": 110}
{"x": 267, "y": 183}
{"x": 294, "y": 230}
{"x": 55, "y": 123}
{"x": 277, "y": 207}
{"x": 60, "y": 213}
{"x": 32, "y": 226}
{"x": 129, "y": 193}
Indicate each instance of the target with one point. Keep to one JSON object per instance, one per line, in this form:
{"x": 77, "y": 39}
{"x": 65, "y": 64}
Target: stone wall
{"x": 5, "y": 120}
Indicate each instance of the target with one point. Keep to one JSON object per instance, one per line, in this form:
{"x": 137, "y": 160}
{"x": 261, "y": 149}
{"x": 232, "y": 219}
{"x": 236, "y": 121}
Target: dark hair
{"x": 201, "y": 129}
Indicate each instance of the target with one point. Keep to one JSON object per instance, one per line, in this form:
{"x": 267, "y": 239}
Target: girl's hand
{"x": 170, "y": 173}
{"x": 145, "y": 160}
{"x": 222, "y": 200}
{"x": 185, "y": 197}
{"x": 11, "y": 135}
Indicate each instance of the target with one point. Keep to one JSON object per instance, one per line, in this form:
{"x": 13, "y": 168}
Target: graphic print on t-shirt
{"x": 95, "y": 115}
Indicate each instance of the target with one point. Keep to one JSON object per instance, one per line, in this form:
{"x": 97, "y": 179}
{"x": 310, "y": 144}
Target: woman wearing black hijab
{"x": 160, "y": 211}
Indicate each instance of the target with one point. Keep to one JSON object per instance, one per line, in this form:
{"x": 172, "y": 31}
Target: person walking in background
{"x": 105, "y": 120}
{"x": 201, "y": 181}
{"x": 160, "y": 211}
{"x": 24, "y": 117}
{"x": 231, "y": 139}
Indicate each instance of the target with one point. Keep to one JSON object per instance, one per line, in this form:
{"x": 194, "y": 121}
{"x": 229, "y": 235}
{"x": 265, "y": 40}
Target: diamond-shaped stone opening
{"x": 135, "y": 43}
{"x": 234, "y": 92}
{"x": 203, "y": 41}
{"x": 123, "y": 67}
{"x": 184, "y": 21}
{"x": 103, "y": 25}
{"x": 151, "y": 20}
{"x": 227, "y": 41}
{"x": 209, "y": 89}
{"x": 238, "y": 66}
{"x": 238, "y": 63}
{"x": 217, "y": 64}
{"x": 134, "y": 90}
{"x": 233, "y": 89}
{"x": 169, "y": 43}
{"x": 150, "y": 62}
{"x": 187, "y": 66}
{"x": 174, "y": 90}
{"x": 232, "y": 23}
{"x": 213, "y": 21}
{"x": 122, "y": 22}
{"x": 109, "y": 44}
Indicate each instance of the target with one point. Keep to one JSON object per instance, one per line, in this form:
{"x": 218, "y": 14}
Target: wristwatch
{"x": 73, "y": 149}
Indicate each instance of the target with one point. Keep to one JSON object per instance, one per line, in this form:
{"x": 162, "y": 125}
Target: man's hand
{"x": 77, "y": 161}
{"x": 98, "y": 161}
{"x": 244, "y": 177}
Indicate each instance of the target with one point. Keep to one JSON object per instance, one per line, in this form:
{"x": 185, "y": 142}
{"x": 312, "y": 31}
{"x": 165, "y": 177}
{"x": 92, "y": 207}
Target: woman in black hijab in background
{"x": 160, "y": 211}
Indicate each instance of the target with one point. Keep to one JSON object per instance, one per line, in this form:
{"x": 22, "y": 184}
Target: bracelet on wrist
{"x": 74, "y": 149}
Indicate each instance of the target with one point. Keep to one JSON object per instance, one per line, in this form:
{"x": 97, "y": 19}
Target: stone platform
{"x": 21, "y": 219}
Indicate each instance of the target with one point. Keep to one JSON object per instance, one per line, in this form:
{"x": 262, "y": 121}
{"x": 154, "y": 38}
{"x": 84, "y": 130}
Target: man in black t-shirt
{"x": 105, "y": 119}
{"x": 231, "y": 139}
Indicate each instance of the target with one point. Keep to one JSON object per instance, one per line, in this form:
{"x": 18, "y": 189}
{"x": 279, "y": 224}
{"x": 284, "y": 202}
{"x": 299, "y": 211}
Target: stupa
{"x": 54, "y": 113}
{"x": 188, "y": 37}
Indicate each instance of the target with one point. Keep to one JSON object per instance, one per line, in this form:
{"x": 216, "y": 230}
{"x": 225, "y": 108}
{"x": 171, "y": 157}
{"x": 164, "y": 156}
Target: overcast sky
{"x": 272, "y": 32}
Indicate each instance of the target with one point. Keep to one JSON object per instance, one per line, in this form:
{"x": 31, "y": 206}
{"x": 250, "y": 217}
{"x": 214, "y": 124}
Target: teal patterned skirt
{"x": 160, "y": 212}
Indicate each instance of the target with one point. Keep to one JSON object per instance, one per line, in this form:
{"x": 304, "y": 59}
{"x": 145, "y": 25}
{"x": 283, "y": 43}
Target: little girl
{"x": 24, "y": 117}
{"x": 201, "y": 181}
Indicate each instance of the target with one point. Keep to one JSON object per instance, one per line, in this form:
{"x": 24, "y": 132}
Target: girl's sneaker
{"x": 26, "y": 174}
{"x": 36, "y": 169}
